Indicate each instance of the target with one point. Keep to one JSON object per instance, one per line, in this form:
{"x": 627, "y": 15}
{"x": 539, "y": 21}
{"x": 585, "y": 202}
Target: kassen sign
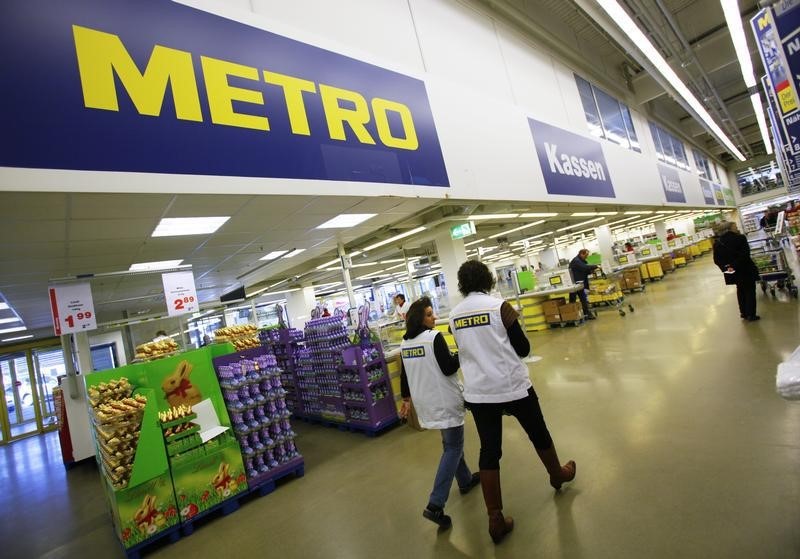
{"x": 180, "y": 293}
{"x": 72, "y": 308}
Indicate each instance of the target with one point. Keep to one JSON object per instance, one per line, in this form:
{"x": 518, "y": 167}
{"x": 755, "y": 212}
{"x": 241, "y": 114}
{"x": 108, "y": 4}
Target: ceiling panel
{"x": 23, "y": 231}
{"x": 331, "y": 206}
{"x": 98, "y": 229}
{"x": 33, "y": 205}
{"x": 229, "y": 240}
{"x": 89, "y": 248}
{"x": 191, "y": 205}
{"x": 118, "y": 206}
{"x": 10, "y": 251}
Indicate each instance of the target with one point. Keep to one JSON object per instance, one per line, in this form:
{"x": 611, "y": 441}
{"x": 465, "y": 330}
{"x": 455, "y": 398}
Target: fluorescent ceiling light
{"x": 474, "y": 242}
{"x": 177, "y": 226}
{"x": 363, "y": 264}
{"x": 624, "y": 220}
{"x": 396, "y": 267}
{"x": 7, "y": 320}
{"x": 14, "y": 329}
{"x": 321, "y": 266}
{"x": 539, "y": 214}
{"x": 666, "y": 211}
{"x": 624, "y": 21}
{"x": 4, "y": 306}
{"x": 580, "y": 224}
{"x": 274, "y": 254}
{"x": 516, "y": 229}
{"x": 590, "y": 214}
{"x": 395, "y": 238}
{"x": 639, "y": 212}
{"x": 17, "y": 338}
{"x": 392, "y": 261}
{"x": 148, "y": 266}
{"x": 758, "y": 108}
{"x": 295, "y": 252}
{"x": 493, "y": 216}
{"x": 342, "y": 221}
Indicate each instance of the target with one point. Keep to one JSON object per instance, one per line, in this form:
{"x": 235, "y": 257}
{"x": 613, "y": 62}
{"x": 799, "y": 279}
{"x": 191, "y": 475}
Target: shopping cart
{"x": 773, "y": 271}
{"x": 605, "y": 292}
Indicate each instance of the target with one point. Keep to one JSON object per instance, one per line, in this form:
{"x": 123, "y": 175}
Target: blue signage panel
{"x": 571, "y": 164}
{"x": 708, "y": 191}
{"x": 671, "y": 183}
{"x": 155, "y": 86}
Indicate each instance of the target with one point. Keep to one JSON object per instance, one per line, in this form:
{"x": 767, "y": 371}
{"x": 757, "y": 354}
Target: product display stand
{"x": 284, "y": 343}
{"x": 255, "y": 399}
{"x": 342, "y": 384}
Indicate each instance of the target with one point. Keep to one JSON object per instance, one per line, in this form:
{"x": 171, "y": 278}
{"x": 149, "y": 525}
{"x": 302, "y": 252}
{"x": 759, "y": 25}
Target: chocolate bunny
{"x": 178, "y": 389}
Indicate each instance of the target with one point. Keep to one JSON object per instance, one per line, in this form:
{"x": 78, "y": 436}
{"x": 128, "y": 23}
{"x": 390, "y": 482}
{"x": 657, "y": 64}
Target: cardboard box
{"x": 551, "y": 318}
{"x": 666, "y": 263}
{"x": 550, "y": 306}
{"x": 632, "y": 279}
{"x": 570, "y": 312}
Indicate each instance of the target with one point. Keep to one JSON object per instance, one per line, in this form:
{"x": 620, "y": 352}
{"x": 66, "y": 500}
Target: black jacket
{"x": 580, "y": 270}
{"x": 732, "y": 249}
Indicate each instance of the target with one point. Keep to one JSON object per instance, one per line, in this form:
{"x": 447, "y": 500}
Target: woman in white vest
{"x": 428, "y": 378}
{"x": 496, "y": 382}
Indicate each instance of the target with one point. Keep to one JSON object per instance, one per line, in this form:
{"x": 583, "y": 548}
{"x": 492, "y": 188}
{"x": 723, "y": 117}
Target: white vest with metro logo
{"x": 438, "y": 399}
{"x": 492, "y": 370}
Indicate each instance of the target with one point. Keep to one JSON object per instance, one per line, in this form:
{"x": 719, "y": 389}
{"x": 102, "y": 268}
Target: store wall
{"x": 484, "y": 80}
{"x": 114, "y": 337}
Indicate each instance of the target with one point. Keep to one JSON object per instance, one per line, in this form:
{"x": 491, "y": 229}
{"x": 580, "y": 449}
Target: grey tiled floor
{"x": 683, "y": 450}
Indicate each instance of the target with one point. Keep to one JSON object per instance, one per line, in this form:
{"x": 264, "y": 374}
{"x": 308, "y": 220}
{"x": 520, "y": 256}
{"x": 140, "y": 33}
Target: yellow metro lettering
{"x": 336, "y": 115}
{"x": 379, "y": 108}
{"x": 763, "y": 22}
{"x": 221, "y": 94}
{"x": 293, "y": 89}
{"x": 101, "y": 55}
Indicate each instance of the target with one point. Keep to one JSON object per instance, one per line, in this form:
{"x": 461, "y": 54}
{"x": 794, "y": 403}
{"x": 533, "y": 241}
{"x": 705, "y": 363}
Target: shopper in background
{"x": 496, "y": 382}
{"x": 579, "y": 269}
{"x": 325, "y": 312}
{"x": 732, "y": 255}
{"x": 161, "y": 335}
{"x": 428, "y": 378}
{"x": 401, "y": 307}
{"x": 629, "y": 247}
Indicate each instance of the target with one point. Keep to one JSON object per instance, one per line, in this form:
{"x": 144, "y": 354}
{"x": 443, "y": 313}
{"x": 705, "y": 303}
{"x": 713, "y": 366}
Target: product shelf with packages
{"x": 255, "y": 399}
{"x": 344, "y": 383}
{"x": 285, "y": 344}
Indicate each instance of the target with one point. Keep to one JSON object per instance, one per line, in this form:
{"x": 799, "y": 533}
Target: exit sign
{"x": 462, "y": 230}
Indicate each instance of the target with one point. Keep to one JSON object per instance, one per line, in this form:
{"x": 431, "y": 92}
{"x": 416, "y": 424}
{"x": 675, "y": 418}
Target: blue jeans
{"x": 451, "y": 465}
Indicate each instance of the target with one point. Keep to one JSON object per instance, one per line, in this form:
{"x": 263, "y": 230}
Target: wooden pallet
{"x": 168, "y": 536}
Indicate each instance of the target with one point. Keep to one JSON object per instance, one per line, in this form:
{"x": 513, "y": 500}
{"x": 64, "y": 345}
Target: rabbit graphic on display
{"x": 178, "y": 389}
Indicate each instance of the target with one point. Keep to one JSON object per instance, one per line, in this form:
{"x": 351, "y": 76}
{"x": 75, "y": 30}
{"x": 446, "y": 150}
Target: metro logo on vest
{"x": 571, "y": 164}
{"x": 472, "y": 321}
{"x": 413, "y": 352}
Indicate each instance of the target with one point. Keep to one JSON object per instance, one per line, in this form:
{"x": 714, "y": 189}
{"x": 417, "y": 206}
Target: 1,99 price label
{"x": 180, "y": 293}
{"x": 72, "y": 308}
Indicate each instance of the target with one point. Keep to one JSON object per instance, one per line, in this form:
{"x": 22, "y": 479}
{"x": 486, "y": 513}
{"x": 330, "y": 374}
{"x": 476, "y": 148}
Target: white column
{"x": 661, "y": 230}
{"x": 346, "y": 275}
{"x": 548, "y": 258}
{"x": 451, "y": 255}
{"x": 605, "y": 242}
{"x": 299, "y": 305}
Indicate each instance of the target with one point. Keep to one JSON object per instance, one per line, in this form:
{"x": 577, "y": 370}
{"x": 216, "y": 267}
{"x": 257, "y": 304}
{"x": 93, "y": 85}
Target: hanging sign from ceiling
{"x": 72, "y": 308}
{"x": 159, "y": 87}
{"x": 180, "y": 293}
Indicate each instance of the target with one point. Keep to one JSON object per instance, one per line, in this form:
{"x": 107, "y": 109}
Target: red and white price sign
{"x": 180, "y": 293}
{"x": 72, "y": 308}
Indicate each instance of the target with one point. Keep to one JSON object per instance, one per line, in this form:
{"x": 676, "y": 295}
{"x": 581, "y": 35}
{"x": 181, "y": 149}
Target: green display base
{"x": 179, "y": 421}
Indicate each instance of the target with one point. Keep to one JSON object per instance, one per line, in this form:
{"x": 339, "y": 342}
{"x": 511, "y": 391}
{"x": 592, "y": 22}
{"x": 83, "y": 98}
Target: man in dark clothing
{"x": 732, "y": 255}
{"x": 579, "y": 269}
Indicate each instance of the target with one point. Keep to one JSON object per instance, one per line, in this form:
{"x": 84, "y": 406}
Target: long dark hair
{"x": 415, "y": 316}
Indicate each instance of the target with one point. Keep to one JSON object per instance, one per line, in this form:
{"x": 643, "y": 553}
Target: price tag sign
{"x": 72, "y": 308}
{"x": 180, "y": 293}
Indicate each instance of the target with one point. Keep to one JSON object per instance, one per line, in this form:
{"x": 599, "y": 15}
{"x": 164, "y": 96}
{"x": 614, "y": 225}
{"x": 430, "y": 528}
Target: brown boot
{"x": 558, "y": 474}
{"x": 499, "y": 525}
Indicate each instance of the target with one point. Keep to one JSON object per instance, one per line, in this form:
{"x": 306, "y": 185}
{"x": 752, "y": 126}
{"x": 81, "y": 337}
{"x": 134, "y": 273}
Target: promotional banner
{"x": 72, "y": 308}
{"x": 788, "y": 162}
{"x": 158, "y": 87}
{"x": 180, "y": 293}
{"x": 708, "y": 191}
{"x": 779, "y": 46}
{"x": 571, "y": 164}
{"x": 718, "y": 195}
{"x": 671, "y": 183}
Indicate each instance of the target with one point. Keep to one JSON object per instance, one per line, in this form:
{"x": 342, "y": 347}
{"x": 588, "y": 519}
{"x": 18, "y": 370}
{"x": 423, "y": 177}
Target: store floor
{"x": 683, "y": 450}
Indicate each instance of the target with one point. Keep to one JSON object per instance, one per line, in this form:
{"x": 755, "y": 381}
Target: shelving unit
{"x": 285, "y": 344}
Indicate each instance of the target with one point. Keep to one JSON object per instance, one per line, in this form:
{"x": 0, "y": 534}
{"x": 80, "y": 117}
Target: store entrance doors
{"x": 27, "y": 379}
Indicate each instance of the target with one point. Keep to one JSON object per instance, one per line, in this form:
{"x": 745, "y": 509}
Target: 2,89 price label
{"x": 180, "y": 304}
{"x": 179, "y": 293}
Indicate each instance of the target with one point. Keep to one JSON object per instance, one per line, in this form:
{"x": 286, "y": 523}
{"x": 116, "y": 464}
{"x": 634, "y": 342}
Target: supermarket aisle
{"x": 683, "y": 450}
